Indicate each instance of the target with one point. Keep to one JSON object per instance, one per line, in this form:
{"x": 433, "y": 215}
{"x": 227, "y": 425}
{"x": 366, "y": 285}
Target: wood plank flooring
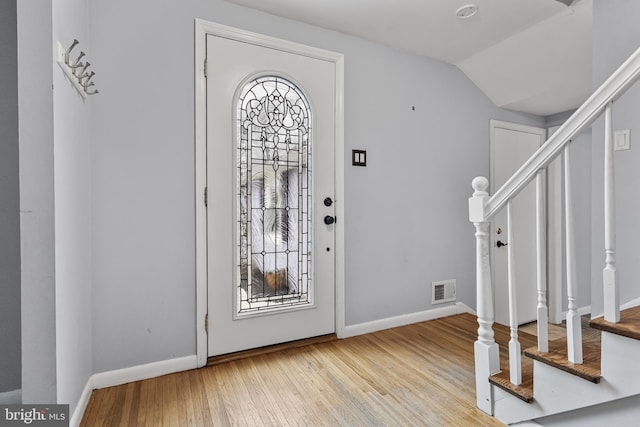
{"x": 416, "y": 375}
{"x": 554, "y": 331}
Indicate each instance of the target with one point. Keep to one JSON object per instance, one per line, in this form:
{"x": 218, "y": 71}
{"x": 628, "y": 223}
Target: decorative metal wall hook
{"x": 86, "y": 82}
{"x": 89, "y": 76}
{"x": 68, "y": 51}
{"x": 84, "y": 76}
{"x": 77, "y": 64}
{"x": 78, "y": 71}
{"x": 83, "y": 70}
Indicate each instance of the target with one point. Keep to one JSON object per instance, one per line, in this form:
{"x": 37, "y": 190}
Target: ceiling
{"x": 526, "y": 55}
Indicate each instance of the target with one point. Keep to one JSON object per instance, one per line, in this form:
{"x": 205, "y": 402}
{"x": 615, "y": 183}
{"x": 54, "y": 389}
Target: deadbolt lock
{"x": 498, "y": 230}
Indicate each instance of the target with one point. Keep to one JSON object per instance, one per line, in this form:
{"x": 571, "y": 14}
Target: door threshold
{"x": 260, "y": 351}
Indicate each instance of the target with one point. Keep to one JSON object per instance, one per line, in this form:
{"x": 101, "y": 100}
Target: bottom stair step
{"x": 523, "y": 391}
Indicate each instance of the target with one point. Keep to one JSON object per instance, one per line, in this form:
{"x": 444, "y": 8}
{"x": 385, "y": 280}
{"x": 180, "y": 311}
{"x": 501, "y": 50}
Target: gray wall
{"x": 406, "y": 212}
{"x": 9, "y": 202}
{"x": 581, "y": 194}
{"x": 72, "y": 158}
{"x": 616, "y": 35}
{"x": 35, "y": 109}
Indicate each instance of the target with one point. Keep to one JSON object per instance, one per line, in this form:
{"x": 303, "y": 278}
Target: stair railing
{"x": 483, "y": 208}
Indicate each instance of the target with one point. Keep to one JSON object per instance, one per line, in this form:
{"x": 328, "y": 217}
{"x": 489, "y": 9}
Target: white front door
{"x": 270, "y": 178}
{"x": 511, "y": 146}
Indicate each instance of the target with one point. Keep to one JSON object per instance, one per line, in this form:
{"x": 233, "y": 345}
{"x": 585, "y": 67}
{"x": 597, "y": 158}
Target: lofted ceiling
{"x": 526, "y": 55}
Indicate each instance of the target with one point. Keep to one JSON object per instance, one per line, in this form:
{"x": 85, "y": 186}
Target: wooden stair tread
{"x": 557, "y": 357}
{"x": 523, "y": 391}
{"x": 629, "y": 325}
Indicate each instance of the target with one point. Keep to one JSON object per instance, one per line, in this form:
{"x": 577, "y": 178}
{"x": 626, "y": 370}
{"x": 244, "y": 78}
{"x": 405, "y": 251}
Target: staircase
{"x": 596, "y": 361}
{"x": 551, "y": 384}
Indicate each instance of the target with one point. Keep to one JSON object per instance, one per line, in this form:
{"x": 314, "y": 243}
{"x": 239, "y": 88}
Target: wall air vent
{"x": 443, "y": 291}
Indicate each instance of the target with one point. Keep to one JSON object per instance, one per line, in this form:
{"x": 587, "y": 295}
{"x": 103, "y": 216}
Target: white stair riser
{"x": 620, "y": 356}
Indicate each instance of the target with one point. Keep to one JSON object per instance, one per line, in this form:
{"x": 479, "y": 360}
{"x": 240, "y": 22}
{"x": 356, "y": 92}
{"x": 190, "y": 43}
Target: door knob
{"x": 500, "y": 244}
{"x": 329, "y": 220}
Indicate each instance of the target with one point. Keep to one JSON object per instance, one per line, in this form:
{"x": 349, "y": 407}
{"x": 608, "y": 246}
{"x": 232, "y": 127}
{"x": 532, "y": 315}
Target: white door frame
{"x": 202, "y": 28}
{"x": 554, "y": 226}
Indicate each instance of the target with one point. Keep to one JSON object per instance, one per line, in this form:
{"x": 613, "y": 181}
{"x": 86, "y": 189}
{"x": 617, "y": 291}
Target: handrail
{"x": 609, "y": 91}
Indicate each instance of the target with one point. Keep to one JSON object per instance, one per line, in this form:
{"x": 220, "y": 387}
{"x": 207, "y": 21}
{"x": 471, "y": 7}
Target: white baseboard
{"x": 81, "y": 406}
{"x": 404, "y": 319}
{"x": 582, "y": 311}
{"x": 12, "y": 397}
{"x": 127, "y": 375}
{"x": 629, "y": 304}
{"x": 633, "y": 303}
{"x": 143, "y": 372}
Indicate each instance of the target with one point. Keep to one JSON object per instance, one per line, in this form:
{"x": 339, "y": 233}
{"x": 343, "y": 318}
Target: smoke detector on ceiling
{"x": 467, "y": 11}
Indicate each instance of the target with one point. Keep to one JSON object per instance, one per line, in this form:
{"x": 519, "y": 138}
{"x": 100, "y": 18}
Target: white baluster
{"x": 574, "y": 325}
{"x": 541, "y": 265}
{"x": 515, "y": 357}
{"x": 611, "y": 293}
{"x": 486, "y": 354}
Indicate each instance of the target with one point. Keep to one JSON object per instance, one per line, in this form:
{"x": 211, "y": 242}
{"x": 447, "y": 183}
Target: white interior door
{"x": 511, "y": 146}
{"x": 270, "y": 179}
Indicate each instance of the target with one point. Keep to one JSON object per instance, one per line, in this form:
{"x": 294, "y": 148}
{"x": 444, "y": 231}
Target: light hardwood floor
{"x": 555, "y": 331}
{"x": 416, "y": 375}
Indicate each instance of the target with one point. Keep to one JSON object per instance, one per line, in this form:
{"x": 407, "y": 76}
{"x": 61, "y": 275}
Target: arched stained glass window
{"x": 273, "y": 154}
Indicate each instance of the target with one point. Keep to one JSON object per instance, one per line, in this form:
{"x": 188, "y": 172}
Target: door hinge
{"x": 206, "y": 323}
{"x": 206, "y": 68}
{"x": 206, "y": 196}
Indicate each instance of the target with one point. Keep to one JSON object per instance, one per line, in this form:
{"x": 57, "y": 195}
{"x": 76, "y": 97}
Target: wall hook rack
{"x": 76, "y": 70}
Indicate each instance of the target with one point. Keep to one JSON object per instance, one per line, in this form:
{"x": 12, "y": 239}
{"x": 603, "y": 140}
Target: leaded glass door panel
{"x": 270, "y": 165}
{"x": 274, "y": 155}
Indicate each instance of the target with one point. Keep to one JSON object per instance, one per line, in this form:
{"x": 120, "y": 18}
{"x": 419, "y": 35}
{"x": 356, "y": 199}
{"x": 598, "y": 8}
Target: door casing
{"x": 202, "y": 28}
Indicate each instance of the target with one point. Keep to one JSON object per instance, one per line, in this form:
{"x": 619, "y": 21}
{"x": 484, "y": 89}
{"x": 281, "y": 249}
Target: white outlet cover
{"x": 622, "y": 140}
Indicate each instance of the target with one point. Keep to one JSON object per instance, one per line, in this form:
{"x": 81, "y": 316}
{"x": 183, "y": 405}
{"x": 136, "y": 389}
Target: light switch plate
{"x": 622, "y": 140}
{"x": 358, "y": 157}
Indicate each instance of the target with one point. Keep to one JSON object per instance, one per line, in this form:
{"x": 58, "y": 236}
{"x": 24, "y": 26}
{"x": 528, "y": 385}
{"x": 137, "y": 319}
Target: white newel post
{"x": 487, "y": 361}
{"x": 541, "y": 265}
{"x": 609, "y": 282}
{"x": 574, "y": 324}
